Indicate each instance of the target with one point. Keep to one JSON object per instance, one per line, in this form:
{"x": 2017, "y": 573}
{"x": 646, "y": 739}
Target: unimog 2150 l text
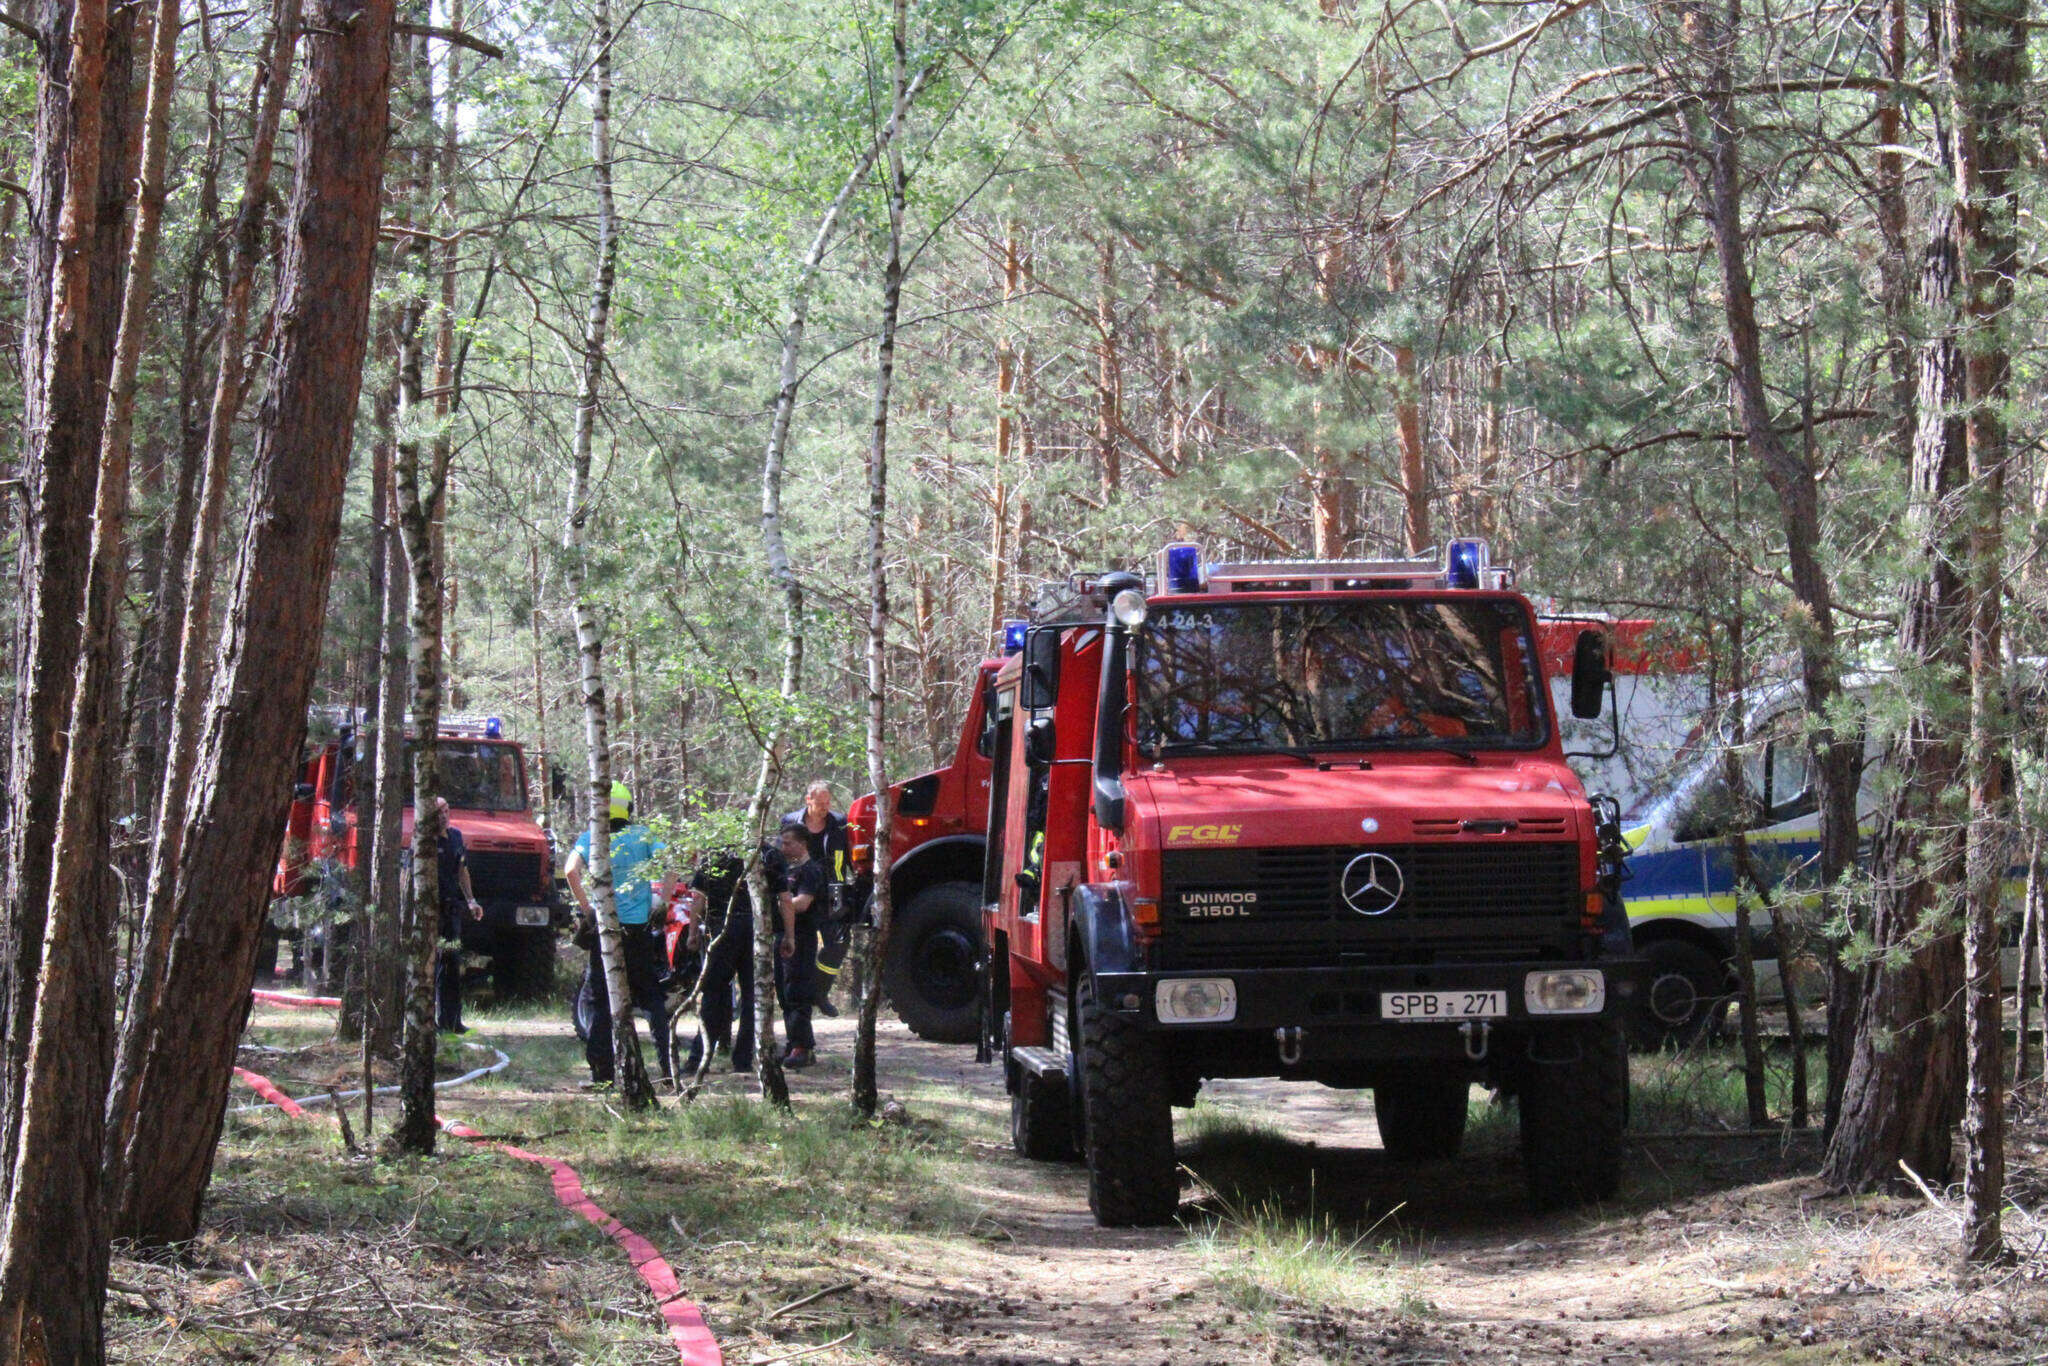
{"x": 1307, "y": 820}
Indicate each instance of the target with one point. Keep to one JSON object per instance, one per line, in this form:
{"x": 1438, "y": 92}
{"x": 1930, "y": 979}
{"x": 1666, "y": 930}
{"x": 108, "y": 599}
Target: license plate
{"x": 538, "y": 915}
{"x": 1442, "y": 1005}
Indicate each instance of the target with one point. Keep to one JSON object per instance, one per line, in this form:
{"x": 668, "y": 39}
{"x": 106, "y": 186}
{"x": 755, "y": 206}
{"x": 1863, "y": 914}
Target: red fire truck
{"x": 1305, "y": 820}
{"x": 511, "y": 862}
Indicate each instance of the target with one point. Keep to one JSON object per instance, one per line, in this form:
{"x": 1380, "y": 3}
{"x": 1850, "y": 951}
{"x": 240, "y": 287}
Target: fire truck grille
{"x": 499, "y": 876}
{"x": 1283, "y": 908}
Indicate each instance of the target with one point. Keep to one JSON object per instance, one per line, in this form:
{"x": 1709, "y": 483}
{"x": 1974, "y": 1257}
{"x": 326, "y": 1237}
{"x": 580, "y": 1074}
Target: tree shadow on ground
{"x": 1242, "y": 1169}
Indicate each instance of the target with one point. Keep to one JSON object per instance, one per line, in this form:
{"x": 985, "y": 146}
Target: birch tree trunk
{"x": 783, "y": 576}
{"x": 627, "y": 1068}
{"x": 257, "y": 714}
{"x": 419, "y": 510}
{"x": 874, "y": 943}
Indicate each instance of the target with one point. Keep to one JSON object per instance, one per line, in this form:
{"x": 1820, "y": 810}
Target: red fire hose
{"x": 685, "y": 1321}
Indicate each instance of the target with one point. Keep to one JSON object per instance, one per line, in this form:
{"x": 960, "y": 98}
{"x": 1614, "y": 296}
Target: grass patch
{"x": 1280, "y": 1228}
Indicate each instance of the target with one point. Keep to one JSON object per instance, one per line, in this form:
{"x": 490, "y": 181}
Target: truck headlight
{"x": 1196, "y": 1000}
{"x": 1574, "y": 991}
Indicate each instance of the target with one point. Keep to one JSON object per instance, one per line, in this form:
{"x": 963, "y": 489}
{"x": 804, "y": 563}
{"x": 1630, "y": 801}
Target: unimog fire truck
{"x": 1305, "y": 820}
{"x": 511, "y": 862}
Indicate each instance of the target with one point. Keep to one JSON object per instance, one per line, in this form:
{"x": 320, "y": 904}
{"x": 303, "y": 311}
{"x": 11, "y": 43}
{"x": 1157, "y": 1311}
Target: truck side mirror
{"x": 1039, "y": 688}
{"x": 1038, "y": 743}
{"x": 1590, "y": 674}
{"x": 558, "y": 789}
{"x": 985, "y": 742}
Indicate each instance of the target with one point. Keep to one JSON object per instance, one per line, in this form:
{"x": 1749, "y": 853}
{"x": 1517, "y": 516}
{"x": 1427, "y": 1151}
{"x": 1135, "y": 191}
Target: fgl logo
{"x": 1204, "y": 834}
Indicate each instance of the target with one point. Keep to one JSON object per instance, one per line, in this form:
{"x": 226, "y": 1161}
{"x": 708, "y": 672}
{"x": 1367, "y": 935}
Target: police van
{"x": 1681, "y": 879}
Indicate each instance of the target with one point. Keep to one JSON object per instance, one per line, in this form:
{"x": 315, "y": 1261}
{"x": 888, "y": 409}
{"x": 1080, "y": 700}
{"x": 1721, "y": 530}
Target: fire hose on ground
{"x": 684, "y": 1320}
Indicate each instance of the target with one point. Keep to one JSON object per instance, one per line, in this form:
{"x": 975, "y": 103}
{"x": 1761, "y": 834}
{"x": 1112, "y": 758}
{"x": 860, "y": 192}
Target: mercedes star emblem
{"x": 1371, "y": 884}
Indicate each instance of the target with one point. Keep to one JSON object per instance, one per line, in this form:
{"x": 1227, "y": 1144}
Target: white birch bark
{"x": 629, "y": 1071}
{"x": 783, "y": 576}
{"x": 876, "y": 942}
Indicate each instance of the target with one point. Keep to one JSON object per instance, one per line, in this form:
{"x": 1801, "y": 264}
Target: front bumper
{"x": 1279, "y": 998}
{"x": 505, "y": 920}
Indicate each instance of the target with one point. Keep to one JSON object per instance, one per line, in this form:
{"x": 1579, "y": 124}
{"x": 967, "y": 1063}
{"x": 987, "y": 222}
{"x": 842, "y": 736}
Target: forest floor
{"x": 1298, "y": 1241}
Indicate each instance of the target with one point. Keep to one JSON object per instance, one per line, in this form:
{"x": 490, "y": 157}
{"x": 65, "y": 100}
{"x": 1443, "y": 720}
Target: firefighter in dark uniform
{"x": 723, "y": 927}
{"x": 803, "y": 904}
{"x": 831, "y": 848}
{"x": 456, "y": 897}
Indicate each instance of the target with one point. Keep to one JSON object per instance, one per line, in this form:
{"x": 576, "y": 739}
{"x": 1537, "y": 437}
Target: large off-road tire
{"x": 1127, "y": 1118}
{"x": 1683, "y": 988}
{"x": 1574, "y": 1101}
{"x": 933, "y": 973}
{"x": 1421, "y": 1118}
{"x": 525, "y": 969}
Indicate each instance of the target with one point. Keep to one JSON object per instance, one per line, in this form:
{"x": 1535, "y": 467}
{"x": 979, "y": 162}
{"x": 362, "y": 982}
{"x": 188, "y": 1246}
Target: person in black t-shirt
{"x": 803, "y": 905}
{"x": 724, "y": 921}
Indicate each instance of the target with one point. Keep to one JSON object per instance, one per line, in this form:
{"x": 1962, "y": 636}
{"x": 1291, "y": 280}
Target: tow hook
{"x": 1289, "y": 1039}
{"x": 1475, "y": 1042}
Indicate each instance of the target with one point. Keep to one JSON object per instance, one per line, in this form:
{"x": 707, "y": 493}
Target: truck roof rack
{"x": 1325, "y": 576}
{"x": 1258, "y": 576}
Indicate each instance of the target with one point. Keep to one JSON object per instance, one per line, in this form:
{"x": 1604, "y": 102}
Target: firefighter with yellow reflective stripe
{"x": 824, "y": 831}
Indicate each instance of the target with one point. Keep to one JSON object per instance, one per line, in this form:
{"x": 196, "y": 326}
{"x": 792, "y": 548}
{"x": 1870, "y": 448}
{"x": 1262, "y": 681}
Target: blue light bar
{"x": 1013, "y": 636}
{"x": 1181, "y": 568}
{"x": 494, "y": 729}
{"x": 1463, "y": 564}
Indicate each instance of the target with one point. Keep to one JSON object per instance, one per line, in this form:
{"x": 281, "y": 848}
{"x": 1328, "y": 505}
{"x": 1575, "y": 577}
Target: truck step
{"x": 1042, "y": 1063}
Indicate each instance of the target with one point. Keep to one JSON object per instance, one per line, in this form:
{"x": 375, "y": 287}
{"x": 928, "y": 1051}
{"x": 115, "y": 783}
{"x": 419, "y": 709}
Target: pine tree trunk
{"x": 53, "y": 1246}
{"x": 874, "y": 944}
{"x": 1108, "y": 374}
{"x": 1715, "y": 137}
{"x": 67, "y": 345}
{"x": 1986, "y": 46}
{"x": 53, "y": 1252}
{"x": 1408, "y": 422}
{"x": 189, "y": 681}
{"x": 271, "y": 647}
{"x": 1903, "y": 1088}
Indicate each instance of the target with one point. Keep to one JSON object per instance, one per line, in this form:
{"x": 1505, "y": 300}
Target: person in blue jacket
{"x": 632, "y": 852}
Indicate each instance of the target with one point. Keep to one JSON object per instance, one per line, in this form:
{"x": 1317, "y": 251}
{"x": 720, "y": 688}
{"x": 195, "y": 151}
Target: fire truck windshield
{"x": 479, "y": 775}
{"x": 1357, "y": 673}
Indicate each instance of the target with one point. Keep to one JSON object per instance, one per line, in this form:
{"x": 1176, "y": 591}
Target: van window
{"x": 1789, "y": 788}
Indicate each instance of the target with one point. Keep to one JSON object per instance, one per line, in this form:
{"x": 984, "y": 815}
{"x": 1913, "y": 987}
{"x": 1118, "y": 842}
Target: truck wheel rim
{"x": 945, "y": 968}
